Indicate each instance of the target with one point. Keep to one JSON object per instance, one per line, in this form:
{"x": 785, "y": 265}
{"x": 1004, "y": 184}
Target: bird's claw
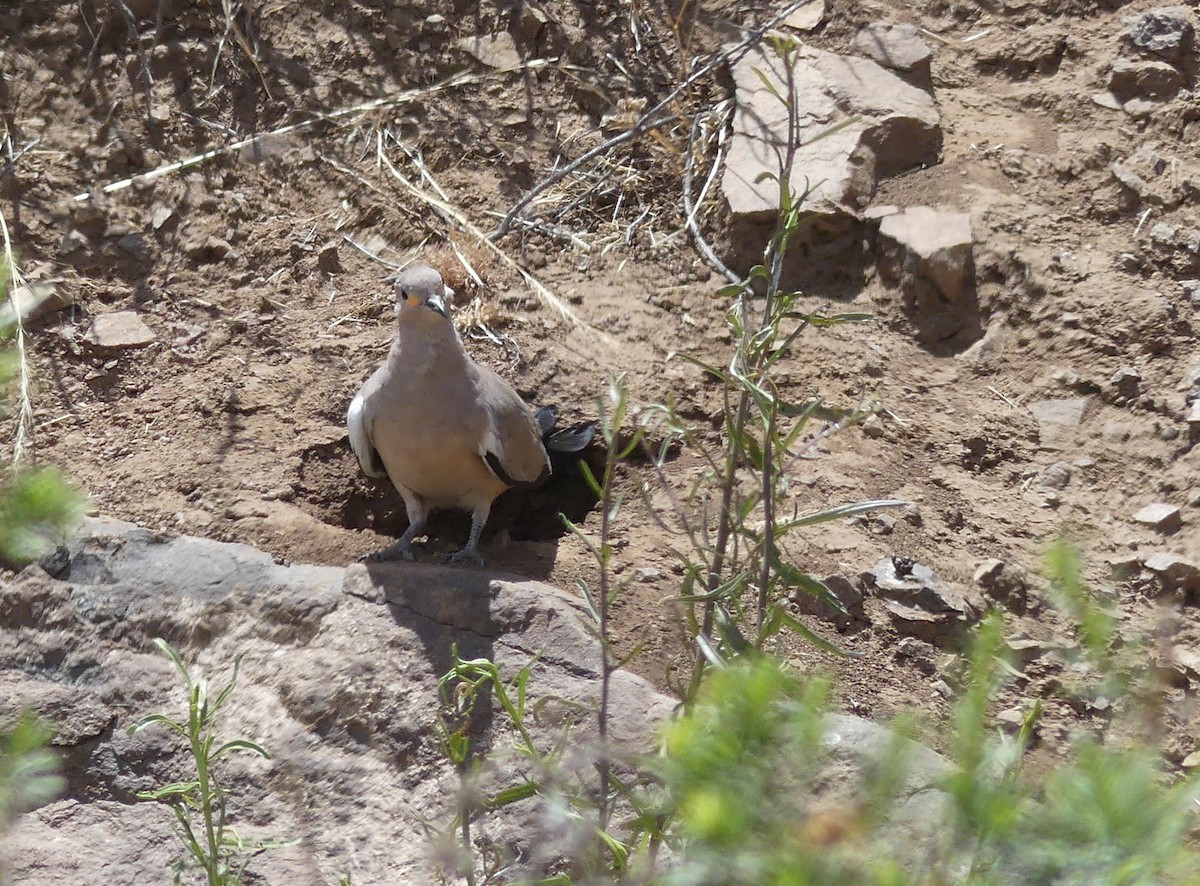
{"x": 466, "y": 555}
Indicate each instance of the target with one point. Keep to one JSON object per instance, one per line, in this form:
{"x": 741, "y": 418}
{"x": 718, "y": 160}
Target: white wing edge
{"x": 360, "y": 439}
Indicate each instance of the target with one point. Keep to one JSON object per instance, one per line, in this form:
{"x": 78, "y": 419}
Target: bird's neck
{"x": 425, "y": 348}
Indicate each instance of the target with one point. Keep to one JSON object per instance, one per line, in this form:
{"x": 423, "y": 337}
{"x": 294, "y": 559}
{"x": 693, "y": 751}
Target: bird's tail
{"x": 563, "y": 440}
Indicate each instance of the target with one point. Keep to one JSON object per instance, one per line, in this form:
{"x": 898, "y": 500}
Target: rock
{"x": 494, "y": 50}
{"x": 995, "y": 344}
{"x": 1192, "y": 760}
{"x": 922, "y": 655}
{"x": 327, "y": 259}
{"x": 1025, "y": 651}
{"x": 807, "y": 17}
{"x": 339, "y": 680}
{"x": 1108, "y": 100}
{"x": 881, "y": 524}
{"x": 532, "y": 21}
{"x": 206, "y": 248}
{"x": 1162, "y": 517}
{"x": 923, "y": 244}
{"x": 1177, "y": 573}
{"x": 1187, "y": 662}
{"x": 133, "y": 245}
{"x": 32, "y": 302}
{"x": 1193, "y": 414}
{"x": 74, "y": 715}
{"x": 847, "y": 595}
{"x": 119, "y": 331}
{"x": 1011, "y": 719}
{"x": 1140, "y": 107}
{"x": 1123, "y": 567}
{"x": 1191, "y": 291}
{"x": 244, "y": 510}
{"x": 918, "y": 605}
{"x": 922, "y": 809}
{"x": 899, "y": 48}
{"x": 1115, "y": 432}
{"x": 1144, "y": 79}
{"x": 1167, "y": 32}
{"x": 162, "y": 215}
{"x": 1004, "y": 583}
{"x": 898, "y": 130}
{"x": 1127, "y": 382}
{"x": 1058, "y": 419}
{"x": 352, "y": 715}
{"x": 74, "y": 243}
{"x": 1056, "y": 476}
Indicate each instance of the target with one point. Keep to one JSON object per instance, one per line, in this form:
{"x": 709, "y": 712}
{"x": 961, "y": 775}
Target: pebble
{"x": 119, "y": 331}
{"x": 1177, "y": 573}
{"x": 1163, "y": 517}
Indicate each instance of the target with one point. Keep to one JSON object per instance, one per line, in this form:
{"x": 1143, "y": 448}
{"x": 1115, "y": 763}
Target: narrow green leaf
{"x": 789, "y": 620}
{"x": 228, "y": 690}
{"x": 586, "y": 590}
{"x": 730, "y": 631}
{"x": 707, "y": 367}
{"x": 510, "y": 795}
{"x": 838, "y": 513}
{"x": 590, "y": 479}
{"x": 709, "y": 651}
{"x": 241, "y": 744}
{"x": 169, "y": 790}
{"x": 170, "y": 653}
{"x": 142, "y": 722}
{"x": 768, "y": 84}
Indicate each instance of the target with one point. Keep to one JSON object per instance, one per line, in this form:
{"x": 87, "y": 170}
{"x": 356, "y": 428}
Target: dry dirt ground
{"x": 261, "y": 274}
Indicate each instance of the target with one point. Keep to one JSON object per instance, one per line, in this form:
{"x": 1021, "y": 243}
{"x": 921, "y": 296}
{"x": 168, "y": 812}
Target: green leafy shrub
{"x": 199, "y": 803}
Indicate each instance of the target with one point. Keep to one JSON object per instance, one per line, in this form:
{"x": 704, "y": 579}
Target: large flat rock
{"x": 897, "y": 128}
{"x": 339, "y": 681}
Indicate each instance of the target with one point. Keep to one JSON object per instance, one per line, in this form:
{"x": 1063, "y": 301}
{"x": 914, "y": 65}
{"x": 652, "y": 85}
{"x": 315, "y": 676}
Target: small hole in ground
{"x": 334, "y": 489}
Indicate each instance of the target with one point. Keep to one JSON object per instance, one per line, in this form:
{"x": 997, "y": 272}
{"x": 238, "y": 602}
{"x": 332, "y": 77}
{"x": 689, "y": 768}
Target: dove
{"x": 446, "y": 431}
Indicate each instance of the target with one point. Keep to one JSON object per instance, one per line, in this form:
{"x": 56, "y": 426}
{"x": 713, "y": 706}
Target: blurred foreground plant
{"x": 35, "y": 504}
{"x": 28, "y": 770}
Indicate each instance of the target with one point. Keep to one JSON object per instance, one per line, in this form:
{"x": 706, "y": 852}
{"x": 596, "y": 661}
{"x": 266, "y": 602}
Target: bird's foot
{"x": 469, "y": 554}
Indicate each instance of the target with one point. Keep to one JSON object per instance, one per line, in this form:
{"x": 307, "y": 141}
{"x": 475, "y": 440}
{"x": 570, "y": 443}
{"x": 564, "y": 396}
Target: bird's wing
{"x": 360, "y": 438}
{"x": 512, "y": 442}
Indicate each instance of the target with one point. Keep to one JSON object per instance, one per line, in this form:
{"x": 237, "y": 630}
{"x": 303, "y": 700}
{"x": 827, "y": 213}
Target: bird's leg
{"x": 470, "y": 553}
{"x": 402, "y": 548}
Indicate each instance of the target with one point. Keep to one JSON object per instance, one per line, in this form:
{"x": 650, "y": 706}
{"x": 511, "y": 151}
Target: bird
{"x": 446, "y": 431}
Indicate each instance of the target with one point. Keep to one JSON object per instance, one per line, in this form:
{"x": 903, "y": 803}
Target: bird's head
{"x": 422, "y": 296}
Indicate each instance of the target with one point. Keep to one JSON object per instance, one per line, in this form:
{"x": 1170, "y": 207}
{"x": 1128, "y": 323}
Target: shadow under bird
{"x": 446, "y": 431}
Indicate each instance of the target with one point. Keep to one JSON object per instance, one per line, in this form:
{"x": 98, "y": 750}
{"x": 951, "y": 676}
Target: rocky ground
{"x": 1035, "y": 361}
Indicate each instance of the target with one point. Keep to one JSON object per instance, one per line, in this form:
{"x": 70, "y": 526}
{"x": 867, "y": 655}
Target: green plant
{"x": 28, "y": 770}
{"x": 764, "y": 435}
{"x": 199, "y": 803}
{"x": 35, "y": 503}
{"x": 550, "y": 772}
{"x": 736, "y": 559}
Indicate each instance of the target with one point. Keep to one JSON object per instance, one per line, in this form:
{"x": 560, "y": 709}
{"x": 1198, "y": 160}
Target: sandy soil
{"x": 261, "y": 273}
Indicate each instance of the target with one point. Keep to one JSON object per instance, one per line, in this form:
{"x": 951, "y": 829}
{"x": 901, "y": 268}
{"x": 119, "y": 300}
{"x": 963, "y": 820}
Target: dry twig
{"x": 24, "y": 398}
{"x": 652, "y": 119}
{"x": 452, "y": 214}
{"x": 409, "y": 95}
